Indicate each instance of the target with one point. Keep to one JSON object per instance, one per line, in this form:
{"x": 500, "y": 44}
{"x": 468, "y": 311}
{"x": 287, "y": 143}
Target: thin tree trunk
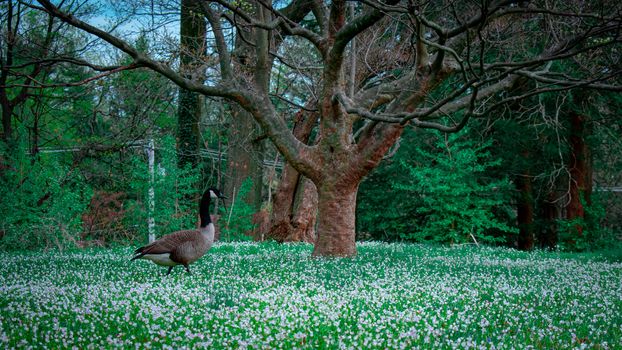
{"x": 34, "y": 149}
{"x": 239, "y": 152}
{"x": 245, "y": 158}
{"x": 257, "y": 169}
{"x": 6, "y": 61}
{"x": 188, "y": 116}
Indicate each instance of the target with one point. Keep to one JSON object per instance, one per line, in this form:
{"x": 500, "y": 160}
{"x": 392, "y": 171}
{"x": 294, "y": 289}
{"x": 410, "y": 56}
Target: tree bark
{"x": 547, "y": 236}
{"x": 192, "y": 49}
{"x": 245, "y": 156}
{"x": 305, "y": 213}
{"x": 188, "y": 116}
{"x": 294, "y": 209}
{"x": 294, "y": 205}
{"x": 580, "y": 172}
{"x": 7, "y": 116}
{"x": 525, "y": 212}
{"x": 336, "y": 220}
{"x": 239, "y": 155}
{"x": 282, "y": 205}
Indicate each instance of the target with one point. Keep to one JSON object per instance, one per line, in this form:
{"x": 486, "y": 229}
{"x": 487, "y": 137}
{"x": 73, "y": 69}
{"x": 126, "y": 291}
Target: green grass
{"x": 277, "y": 296}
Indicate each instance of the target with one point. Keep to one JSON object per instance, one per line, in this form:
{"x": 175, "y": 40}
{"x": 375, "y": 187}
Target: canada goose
{"x": 183, "y": 247}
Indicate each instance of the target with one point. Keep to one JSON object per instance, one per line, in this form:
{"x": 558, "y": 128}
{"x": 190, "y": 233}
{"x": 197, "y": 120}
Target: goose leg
{"x": 170, "y": 268}
{"x": 187, "y": 269}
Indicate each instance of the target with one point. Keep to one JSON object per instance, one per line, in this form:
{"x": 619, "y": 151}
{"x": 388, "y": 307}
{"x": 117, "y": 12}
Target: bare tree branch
{"x": 282, "y": 21}
{"x": 224, "y": 56}
{"x": 42, "y": 85}
{"x": 353, "y": 28}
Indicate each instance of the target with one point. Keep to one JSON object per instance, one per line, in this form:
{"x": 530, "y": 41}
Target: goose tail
{"x": 138, "y": 253}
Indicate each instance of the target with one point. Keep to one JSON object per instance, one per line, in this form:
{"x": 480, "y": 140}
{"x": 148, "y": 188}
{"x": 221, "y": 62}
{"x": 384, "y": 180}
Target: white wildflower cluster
{"x": 259, "y": 296}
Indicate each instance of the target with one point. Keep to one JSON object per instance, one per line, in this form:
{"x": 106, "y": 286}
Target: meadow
{"x": 269, "y": 296}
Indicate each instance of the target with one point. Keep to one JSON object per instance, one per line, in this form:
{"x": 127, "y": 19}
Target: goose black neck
{"x": 204, "y": 209}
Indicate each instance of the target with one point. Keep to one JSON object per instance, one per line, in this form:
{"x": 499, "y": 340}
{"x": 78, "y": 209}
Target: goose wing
{"x": 167, "y": 244}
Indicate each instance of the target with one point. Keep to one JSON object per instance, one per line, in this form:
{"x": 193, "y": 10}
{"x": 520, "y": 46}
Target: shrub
{"x": 594, "y": 236}
{"x": 459, "y": 202}
{"x": 42, "y": 202}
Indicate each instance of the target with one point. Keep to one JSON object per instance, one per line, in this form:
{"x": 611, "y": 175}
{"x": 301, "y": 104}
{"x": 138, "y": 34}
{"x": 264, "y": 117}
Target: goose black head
{"x": 205, "y": 202}
{"x": 212, "y": 193}
{"x": 215, "y": 193}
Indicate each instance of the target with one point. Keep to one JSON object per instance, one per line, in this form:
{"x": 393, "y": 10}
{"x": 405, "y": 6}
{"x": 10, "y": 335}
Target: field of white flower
{"x": 277, "y": 296}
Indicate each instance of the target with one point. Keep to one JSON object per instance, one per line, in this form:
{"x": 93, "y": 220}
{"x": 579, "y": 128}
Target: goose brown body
{"x": 183, "y": 247}
{"x": 178, "y": 248}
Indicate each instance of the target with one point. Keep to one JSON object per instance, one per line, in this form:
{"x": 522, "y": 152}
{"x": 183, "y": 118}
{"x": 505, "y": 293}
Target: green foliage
{"x": 382, "y": 212}
{"x": 42, "y": 202}
{"x": 459, "y": 202}
{"x": 593, "y": 236}
{"x": 174, "y": 192}
{"x": 241, "y": 213}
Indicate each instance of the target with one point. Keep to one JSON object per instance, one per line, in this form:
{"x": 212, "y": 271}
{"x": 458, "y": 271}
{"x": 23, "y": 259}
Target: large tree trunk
{"x": 305, "y": 213}
{"x": 294, "y": 209}
{"x": 294, "y": 205}
{"x": 580, "y": 172}
{"x": 246, "y": 152}
{"x": 7, "y": 114}
{"x": 336, "y": 219}
{"x": 525, "y": 212}
{"x": 243, "y": 157}
{"x": 192, "y": 49}
{"x": 188, "y": 116}
{"x": 547, "y": 236}
{"x": 282, "y": 205}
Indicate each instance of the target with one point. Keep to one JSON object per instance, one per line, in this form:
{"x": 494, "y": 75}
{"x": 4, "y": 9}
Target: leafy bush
{"x": 382, "y": 211}
{"x": 594, "y": 235}
{"x": 42, "y": 202}
{"x": 458, "y": 202}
